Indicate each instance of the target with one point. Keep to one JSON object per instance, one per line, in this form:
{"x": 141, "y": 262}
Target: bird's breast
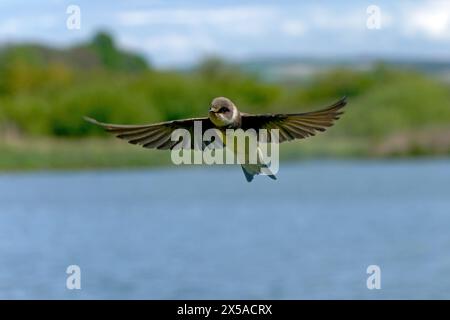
{"x": 220, "y": 121}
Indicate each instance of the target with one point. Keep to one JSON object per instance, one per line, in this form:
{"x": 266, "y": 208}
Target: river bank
{"x": 92, "y": 153}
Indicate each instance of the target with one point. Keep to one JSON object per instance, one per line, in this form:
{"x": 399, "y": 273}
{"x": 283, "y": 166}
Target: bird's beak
{"x": 212, "y": 110}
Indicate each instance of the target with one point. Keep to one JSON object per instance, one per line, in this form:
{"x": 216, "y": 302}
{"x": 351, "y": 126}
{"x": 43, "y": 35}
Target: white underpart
{"x": 234, "y": 115}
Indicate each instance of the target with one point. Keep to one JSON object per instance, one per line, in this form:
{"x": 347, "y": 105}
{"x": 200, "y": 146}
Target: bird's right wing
{"x": 157, "y": 136}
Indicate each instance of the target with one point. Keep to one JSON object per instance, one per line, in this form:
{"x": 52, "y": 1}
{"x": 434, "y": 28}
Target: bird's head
{"x": 223, "y": 112}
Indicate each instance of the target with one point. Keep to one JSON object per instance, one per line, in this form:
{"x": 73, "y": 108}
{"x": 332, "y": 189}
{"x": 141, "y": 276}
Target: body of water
{"x": 205, "y": 233}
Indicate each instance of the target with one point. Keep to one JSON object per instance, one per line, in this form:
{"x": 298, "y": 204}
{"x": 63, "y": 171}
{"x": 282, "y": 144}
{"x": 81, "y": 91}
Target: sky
{"x": 179, "y": 33}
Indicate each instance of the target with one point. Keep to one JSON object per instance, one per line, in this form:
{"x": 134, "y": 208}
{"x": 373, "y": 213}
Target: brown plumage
{"x": 223, "y": 114}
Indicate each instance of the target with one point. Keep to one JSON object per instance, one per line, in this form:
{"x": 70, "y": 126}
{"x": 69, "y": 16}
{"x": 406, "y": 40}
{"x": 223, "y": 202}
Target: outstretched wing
{"x": 295, "y": 125}
{"x": 157, "y": 136}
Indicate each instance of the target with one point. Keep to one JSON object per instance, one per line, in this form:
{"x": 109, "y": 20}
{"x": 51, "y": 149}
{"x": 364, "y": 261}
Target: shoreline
{"x": 49, "y": 154}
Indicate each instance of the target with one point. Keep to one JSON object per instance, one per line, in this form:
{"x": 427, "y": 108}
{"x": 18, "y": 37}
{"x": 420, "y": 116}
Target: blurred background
{"x": 372, "y": 190}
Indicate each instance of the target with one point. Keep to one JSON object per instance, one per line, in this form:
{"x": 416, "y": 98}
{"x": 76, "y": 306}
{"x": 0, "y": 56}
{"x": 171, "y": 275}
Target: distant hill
{"x": 100, "y": 53}
{"x": 292, "y": 68}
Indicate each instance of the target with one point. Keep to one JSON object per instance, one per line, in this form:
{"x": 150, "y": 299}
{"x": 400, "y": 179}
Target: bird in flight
{"x": 223, "y": 114}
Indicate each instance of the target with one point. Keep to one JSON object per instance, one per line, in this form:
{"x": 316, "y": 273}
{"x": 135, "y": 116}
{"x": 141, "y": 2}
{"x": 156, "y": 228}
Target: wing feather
{"x": 158, "y": 135}
{"x": 295, "y": 125}
{"x": 291, "y": 126}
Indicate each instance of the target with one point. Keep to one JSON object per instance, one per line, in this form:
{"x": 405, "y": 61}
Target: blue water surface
{"x": 205, "y": 233}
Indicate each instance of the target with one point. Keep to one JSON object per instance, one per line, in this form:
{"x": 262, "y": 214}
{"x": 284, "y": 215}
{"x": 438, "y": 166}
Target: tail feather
{"x": 249, "y": 176}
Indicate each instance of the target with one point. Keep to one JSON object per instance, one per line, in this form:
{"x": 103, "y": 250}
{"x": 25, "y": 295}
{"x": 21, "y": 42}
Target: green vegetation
{"x": 44, "y": 93}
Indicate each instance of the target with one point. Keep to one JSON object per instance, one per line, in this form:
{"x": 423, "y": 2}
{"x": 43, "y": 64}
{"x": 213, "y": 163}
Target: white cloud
{"x": 168, "y": 48}
{"x": 180, "y": 33}
{"x": 241, "y": 19}
{"x": 9, "y": 27}
{"x": 16, "y": 26}
{"x": 293, "y": 27}
{"x": 178, "y": 43}
{"x": 431, "y": 19}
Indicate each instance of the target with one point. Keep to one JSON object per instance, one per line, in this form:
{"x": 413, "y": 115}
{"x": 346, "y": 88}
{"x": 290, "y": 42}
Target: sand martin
{"x": 223, "y": 114}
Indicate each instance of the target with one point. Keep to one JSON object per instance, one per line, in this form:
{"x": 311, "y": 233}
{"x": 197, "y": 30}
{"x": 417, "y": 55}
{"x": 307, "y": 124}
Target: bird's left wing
{"x": 295, "y": 125}
{"x": 157, "y": 135}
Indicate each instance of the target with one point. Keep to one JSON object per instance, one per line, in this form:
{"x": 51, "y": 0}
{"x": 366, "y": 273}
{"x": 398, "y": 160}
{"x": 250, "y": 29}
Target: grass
{"x": 91, "y": 153}
{"x": 41, "y": 154}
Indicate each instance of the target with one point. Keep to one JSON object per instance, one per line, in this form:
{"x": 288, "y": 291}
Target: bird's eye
{"x": 223, "y": 110}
